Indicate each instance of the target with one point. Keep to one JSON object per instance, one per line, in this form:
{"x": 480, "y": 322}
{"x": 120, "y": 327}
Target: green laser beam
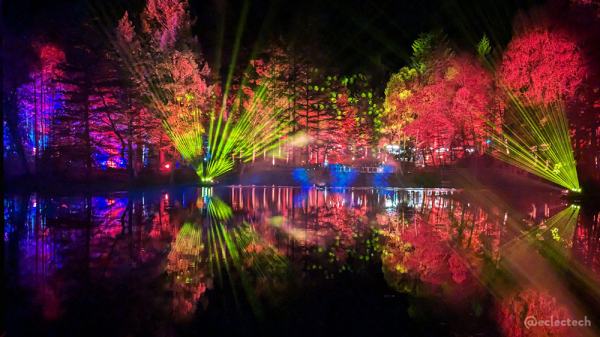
{"x": 537, "y": 140}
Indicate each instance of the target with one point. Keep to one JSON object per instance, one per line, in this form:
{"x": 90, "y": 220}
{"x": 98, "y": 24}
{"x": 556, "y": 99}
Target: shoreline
{"x": 452, "y": 178}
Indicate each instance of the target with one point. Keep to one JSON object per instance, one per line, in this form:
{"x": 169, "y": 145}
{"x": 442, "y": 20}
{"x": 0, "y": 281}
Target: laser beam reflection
{"x": 239, "y": 255}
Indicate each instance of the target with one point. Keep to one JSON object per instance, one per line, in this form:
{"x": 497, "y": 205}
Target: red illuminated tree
{"x": 474, "y": 103}
{"x": 125, "y": 127}
{"x": 292, "y": 82}
{"x": 541, "y": 66}
{"x": 553, "y": 58}
{"x": 336, "y": 114}
{"x": 445, "y": 101}
{"x": 268, "y": 87}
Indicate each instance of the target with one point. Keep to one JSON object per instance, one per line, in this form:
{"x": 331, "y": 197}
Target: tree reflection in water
{"x": 209, "y": 246}
{"x": 480, "y": 256}
{"x": 458, "y": 253}
{"x": 189, "y": 276}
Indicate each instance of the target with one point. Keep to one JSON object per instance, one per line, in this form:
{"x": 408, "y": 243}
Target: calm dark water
{"x": 291, "y": 261}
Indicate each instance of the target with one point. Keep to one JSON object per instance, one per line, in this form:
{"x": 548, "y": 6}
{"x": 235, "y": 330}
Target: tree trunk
{"x": 12, "y": 123}
{"x": 35, "y": 125}
{"x": 307, "y": 120}
{"x": 172, "y": 177}
{"x": 161, "y": 152}
{"x": 138, "y": 156}
{"x": 243, "y": 168}
{"x": 130, "y": 164}
{"x": 294, "y": 106}
{"x": 88, "y": 141}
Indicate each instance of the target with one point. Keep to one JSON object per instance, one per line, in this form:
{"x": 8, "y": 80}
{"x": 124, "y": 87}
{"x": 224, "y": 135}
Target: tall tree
{"x": 269, "y": 87}
{"x": 552, "y": 61}
{"x": 166, "y": 63}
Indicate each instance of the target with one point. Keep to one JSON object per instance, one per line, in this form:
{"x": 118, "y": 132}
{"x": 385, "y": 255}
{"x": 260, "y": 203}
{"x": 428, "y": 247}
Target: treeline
{"x": 75, "y": 111}
{"x": 448, "y": 103}
{"x": 104, "y": 96}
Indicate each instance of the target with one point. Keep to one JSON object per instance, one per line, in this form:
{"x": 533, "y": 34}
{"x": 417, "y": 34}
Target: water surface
{"x": 284, "y": 260}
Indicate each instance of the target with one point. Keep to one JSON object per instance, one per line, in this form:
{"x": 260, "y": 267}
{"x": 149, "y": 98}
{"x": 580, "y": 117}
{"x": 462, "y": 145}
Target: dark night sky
{"x": 352, "y": 36}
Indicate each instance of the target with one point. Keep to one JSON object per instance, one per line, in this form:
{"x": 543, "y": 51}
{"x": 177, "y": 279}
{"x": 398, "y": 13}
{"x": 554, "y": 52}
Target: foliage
{"x": 445, "y": 101}
{"x": 484, "y": 48}
{"x": 339, "y": 114}
{"x": 165, "y": 63}
{"x": 397, "y": 110}
{"x": 542, "y": 66}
